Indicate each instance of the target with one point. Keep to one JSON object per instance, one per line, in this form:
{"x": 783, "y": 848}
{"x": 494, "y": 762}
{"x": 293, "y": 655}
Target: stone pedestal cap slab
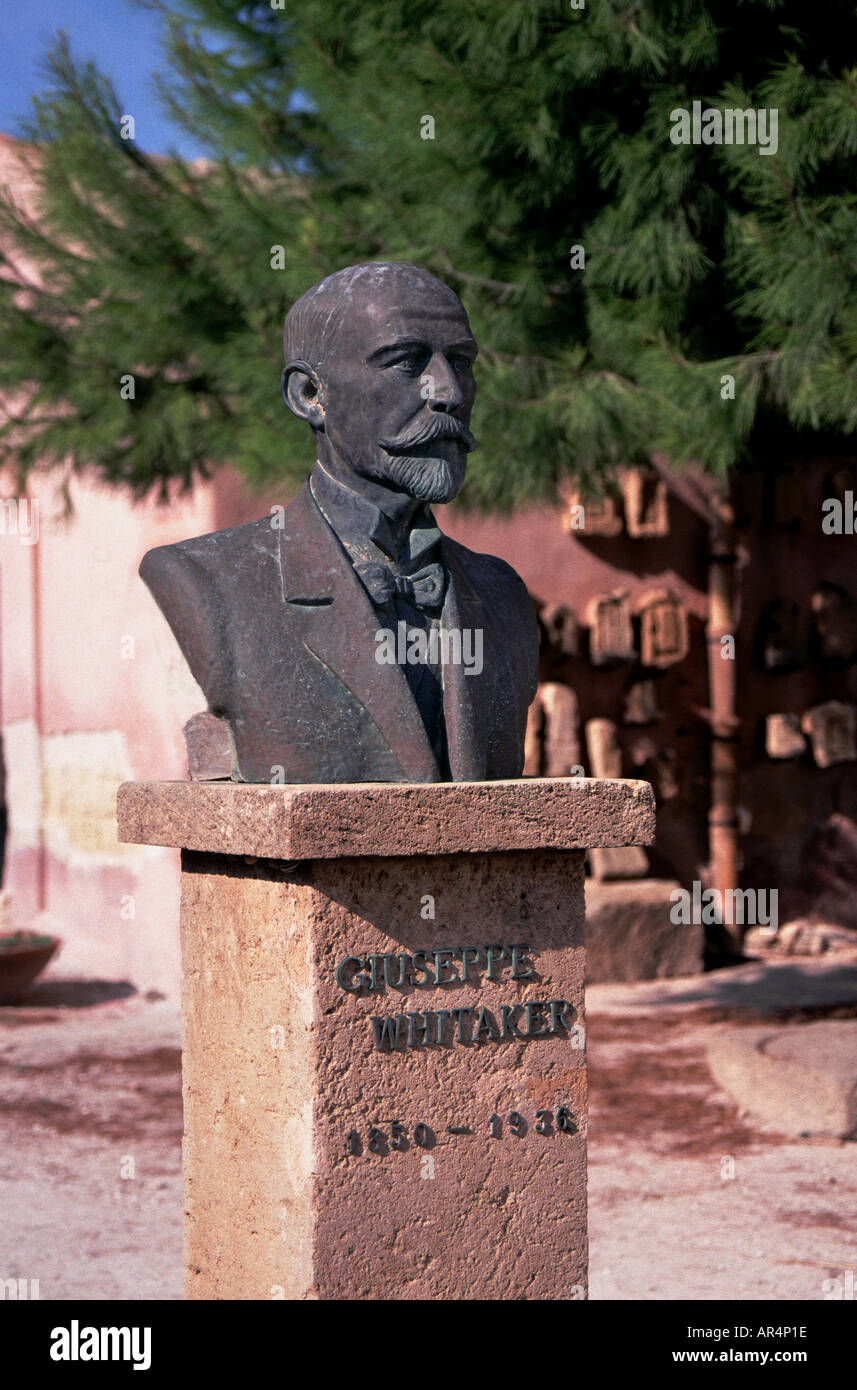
{"x": 379, "y": 818}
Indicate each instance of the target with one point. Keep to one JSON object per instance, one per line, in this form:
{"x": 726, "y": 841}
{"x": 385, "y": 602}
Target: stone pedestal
{"x": 383, "y": 1032}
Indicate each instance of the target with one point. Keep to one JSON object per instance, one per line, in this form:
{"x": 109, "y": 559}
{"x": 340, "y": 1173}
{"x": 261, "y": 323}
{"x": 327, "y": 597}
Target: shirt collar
{"x": 356, "y": 520}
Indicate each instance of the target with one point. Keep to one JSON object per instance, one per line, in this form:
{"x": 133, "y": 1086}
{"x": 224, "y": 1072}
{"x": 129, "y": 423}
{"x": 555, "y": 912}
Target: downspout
{"x": 38, "y": 717}
{"x": 723, "y": 825}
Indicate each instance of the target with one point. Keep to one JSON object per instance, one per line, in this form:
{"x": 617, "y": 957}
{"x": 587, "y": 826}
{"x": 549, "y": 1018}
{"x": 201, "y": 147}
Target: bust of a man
{"x": 344, "y": 638}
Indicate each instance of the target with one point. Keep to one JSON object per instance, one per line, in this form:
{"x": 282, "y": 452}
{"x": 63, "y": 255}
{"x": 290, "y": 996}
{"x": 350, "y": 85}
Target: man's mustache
{"x": 435, "y": 427}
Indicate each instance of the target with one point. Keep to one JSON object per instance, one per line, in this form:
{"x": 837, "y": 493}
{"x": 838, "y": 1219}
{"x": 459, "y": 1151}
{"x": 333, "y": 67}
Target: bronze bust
{"x": 344, "y": 638}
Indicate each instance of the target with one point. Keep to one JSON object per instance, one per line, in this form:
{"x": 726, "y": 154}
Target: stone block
{"x": 384, "y": 1065}
{"x": 783, "y": 738}
{"x": 781, "y": 639}
{"x": 799, "y": 1080}
{"x": 646, "y": 503}
{"x": 618, "y": 863}
{"x": 611, "y": 635}
{"x": 534, "y": 739}
{"x": 344, "y": 819}
{"x": 663, "y": 629}
{"x": 831, "y": 727}
{"x": 834, "y": 617}
{"x": 605, "y": 760}
{"x": 561, "y": 628}
{"x": 828, "y": 870}
{"x": 641, "y": 704}
{"x": 603, "y": 749}
{"x": 801, "y": 937}
{"x": 630, "y": 935}
{"x": 209, "y": 747}
{"x": 561, "y": 736}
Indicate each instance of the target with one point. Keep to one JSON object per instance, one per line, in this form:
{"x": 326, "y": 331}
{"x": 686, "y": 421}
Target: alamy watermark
{"x": 840, "y": 515}
{"x": 15, "y": 1289}
{"x": 19, "y": 516}
{"x": 76, "y": 1343}
{"x": 438, "y": 647}
{"x": 737, "y": 906}
{"x": 733, "y": 126}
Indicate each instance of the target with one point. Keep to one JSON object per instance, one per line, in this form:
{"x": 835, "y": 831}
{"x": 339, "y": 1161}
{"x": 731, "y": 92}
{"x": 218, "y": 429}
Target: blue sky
{"x": 123, "y": 39}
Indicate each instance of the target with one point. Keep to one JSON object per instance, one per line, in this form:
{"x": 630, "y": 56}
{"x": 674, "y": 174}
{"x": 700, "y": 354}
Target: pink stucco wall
{"x": 92, "y": 691}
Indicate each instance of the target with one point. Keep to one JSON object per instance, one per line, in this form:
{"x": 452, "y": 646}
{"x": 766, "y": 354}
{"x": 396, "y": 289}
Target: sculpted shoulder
{"x": 504, "y": 595}
{"x": 214, "y": 553}
{"x": 203, "y": 587}
{"x": 490, "y": 576}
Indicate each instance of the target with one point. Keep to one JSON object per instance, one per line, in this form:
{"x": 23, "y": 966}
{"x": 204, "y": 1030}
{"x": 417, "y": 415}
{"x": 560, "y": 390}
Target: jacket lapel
{"x": 338, "y": 624}
{"x": 463, "y": 695}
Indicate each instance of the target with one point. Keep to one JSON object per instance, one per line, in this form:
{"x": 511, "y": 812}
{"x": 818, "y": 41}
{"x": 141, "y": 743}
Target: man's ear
{"x": 302, "y": 393}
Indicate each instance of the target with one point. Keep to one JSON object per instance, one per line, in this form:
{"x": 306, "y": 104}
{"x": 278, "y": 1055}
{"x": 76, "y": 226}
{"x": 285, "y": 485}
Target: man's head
{"x": 379, "y": 361}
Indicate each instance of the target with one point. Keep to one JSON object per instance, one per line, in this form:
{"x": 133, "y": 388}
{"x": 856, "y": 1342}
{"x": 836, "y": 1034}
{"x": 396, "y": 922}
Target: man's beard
{"x": 431, "y": 479}
{"x": 426, "y": 475}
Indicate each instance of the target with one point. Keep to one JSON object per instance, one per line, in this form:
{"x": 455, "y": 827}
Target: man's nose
{"x": 444, "y": 388}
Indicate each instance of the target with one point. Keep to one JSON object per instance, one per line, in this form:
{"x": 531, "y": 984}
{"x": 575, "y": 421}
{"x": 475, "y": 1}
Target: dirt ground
{"x": 687, "y": 1199}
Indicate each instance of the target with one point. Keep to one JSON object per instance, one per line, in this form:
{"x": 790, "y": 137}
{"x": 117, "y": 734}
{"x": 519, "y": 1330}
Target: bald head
{"x": 317, "y": 321}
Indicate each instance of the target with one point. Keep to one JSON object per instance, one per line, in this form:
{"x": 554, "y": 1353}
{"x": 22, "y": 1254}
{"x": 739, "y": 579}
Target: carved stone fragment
{"x": 561, "y": 740}
{"x": 832, "y": 730}
{"x": 783, "y": 738}
{"x": 646, "y": 503}
{"x": 663, "y": 629}
{"x": 561, "y": 628}
{"x": 603, "y": 749}
{"x": 835, "y": 621}
{"x": 611, "y": 636}
{"x": 606, "y": 864}
{"x": 641, "y": 704}
{"x": 534, "y": 738}
{"x": 209, "y": 747}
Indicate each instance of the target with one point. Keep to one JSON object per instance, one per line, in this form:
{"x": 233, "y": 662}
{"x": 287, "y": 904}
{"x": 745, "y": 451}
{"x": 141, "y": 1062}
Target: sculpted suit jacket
{"x": 279, "y": 631}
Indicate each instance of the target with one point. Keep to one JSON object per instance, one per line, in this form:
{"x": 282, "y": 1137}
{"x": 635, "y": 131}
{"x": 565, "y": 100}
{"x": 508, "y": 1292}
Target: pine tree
{"x": 617, "y": 282}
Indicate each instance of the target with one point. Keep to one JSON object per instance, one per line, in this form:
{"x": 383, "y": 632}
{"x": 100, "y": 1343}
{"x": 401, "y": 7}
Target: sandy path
{"x": 687, "y": 1198}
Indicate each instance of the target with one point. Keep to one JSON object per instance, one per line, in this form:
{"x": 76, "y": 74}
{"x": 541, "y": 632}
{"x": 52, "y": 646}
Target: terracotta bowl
{"x": 23, "y": 956}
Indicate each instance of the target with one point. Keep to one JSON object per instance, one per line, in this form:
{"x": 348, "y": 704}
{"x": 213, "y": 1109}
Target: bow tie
{"x": 424, "y": 588}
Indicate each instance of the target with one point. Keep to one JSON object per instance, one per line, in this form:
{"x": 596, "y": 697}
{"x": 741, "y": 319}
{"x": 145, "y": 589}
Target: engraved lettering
{"x": 404, "y": 971}
{"x": 521, "y": 969}
{"x": 494, "y": 954}
{"x": 559, "y": 1009}
{"x": 487, "y": 1023}
{"x": 418, "y": 962}
{"x": 441, "y": 1015}
{"x": 422, "y": 1022}
{"x": 465, "y": 1018}
{"x": 358, "y": 963}
{"x": 534, "y": 1009}
{"x": 469, "y": 956}
{"x": 388, "y": 1030}
{"x": 443, "y": 961}
{"x": 507, "y": 1023}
